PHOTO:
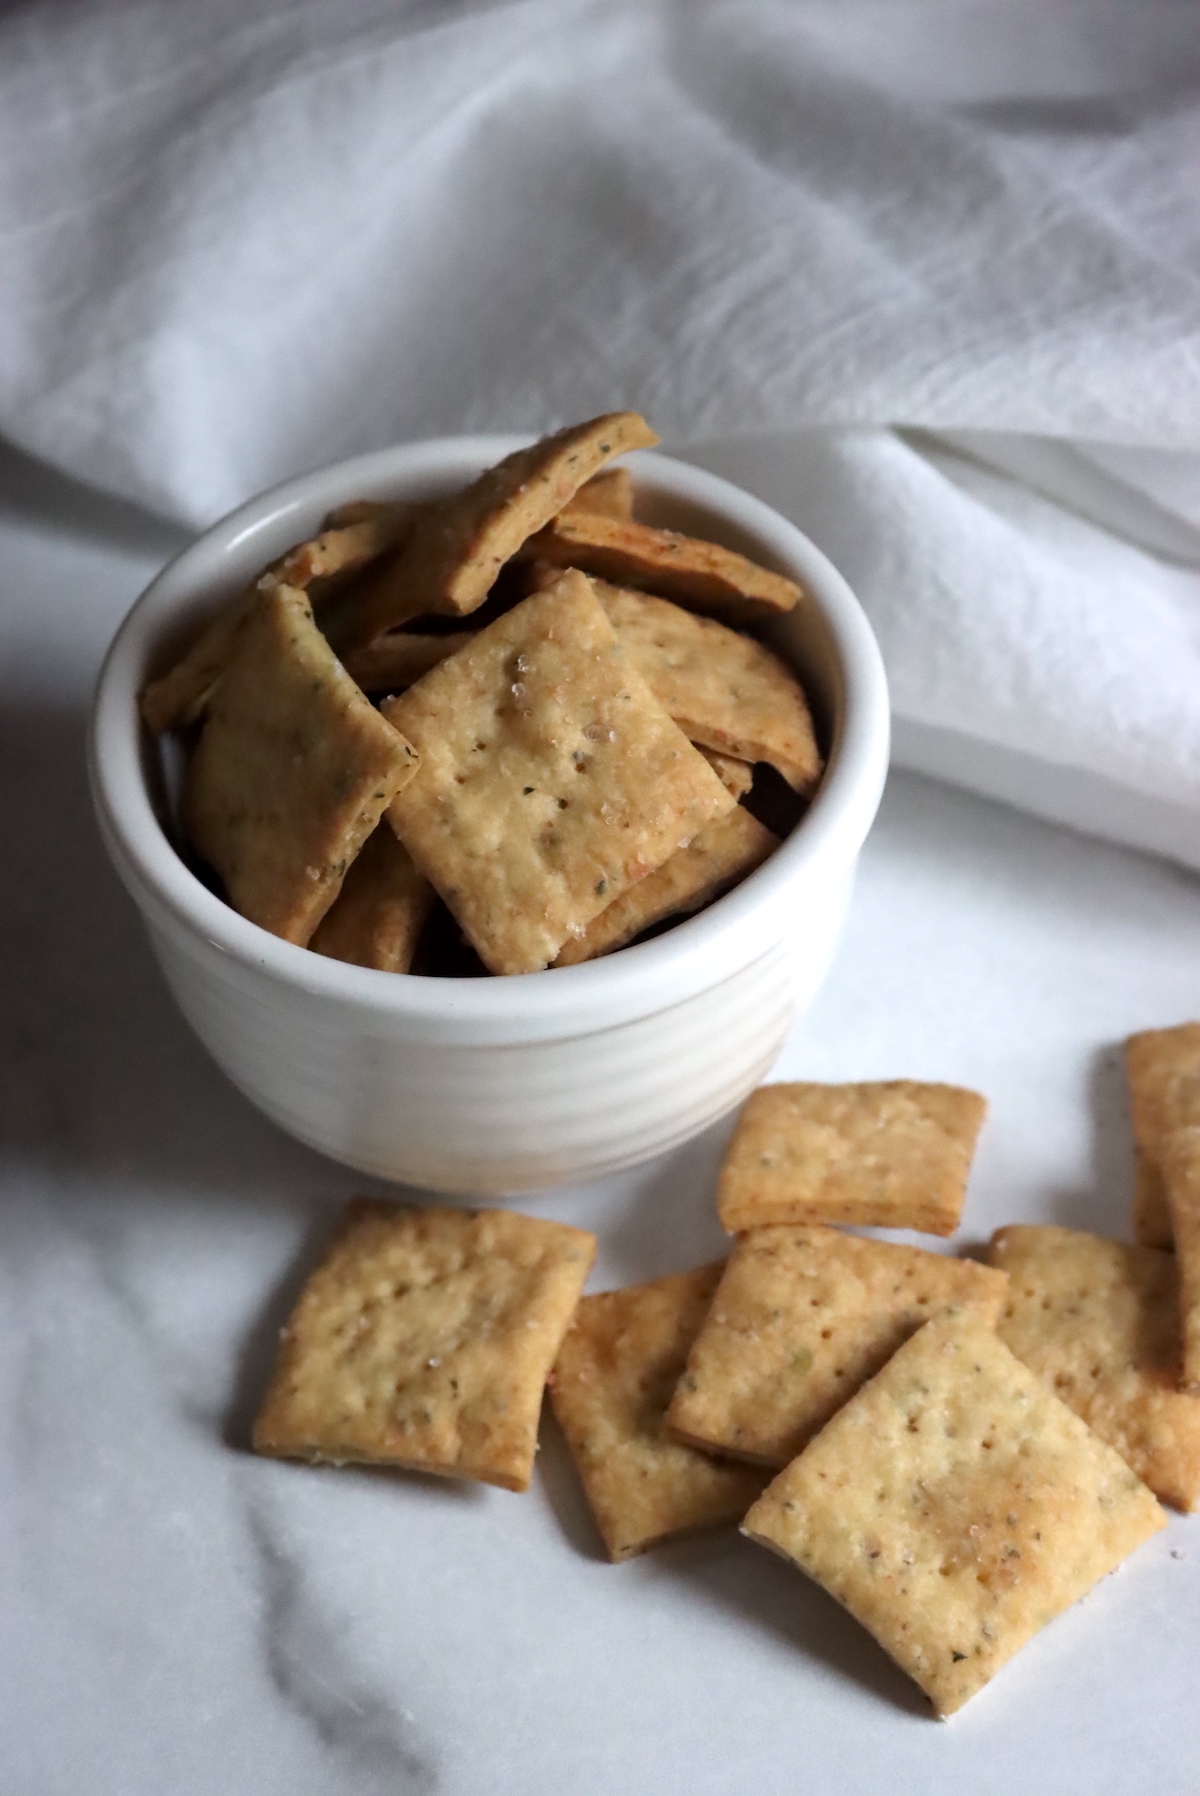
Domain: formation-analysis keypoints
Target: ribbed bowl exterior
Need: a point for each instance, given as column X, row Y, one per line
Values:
column 465, row 1118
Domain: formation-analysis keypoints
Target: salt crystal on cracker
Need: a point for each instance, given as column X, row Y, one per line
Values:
column 292, row 772
column 801, row 1319
column 724, row 689
column 611, row 1383
column 894, row 1154
column 551, row 781
column 1098, row 1321
column 423, row 1341
column 954, row 1506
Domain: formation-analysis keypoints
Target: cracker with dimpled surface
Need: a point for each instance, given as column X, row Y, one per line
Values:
column 801, row 1319
column 1098, row 1321
column 893, row 1154
column 292, row 772
column 954, row 1506
column 723, row 853
column 552, row 780
column 725, row 690
column 1164, row 1093
column 423, row 1341
column 377, row 917
column 611, row 1383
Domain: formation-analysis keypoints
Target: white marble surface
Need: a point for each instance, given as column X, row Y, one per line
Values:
column 178, row 1616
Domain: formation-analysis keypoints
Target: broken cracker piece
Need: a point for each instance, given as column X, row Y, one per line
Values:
column 724, row 689
column 723, row 853
column 551, row 781
column 423, row 1341
column 451, row 560
column 1164, row 1093
column 611, row 1383
column 1179, row 1159
column 954, row 1506
column 180, row 697
column 801, row 1319
column 292, row 772
column 378, row 915
column 700, row 576
column 893, row 1154
column 1098, row 1321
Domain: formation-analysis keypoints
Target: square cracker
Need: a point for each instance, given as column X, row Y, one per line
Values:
column 292, row 772
column 724, row 690
column 1098, row 1321
column 378, row 915
column 1179, row 1158
column 450, row 562
column 181, row 696
column 722, row 853
column 954, row 1507
column 611, row 1383
column 1164, row 1093
column 701, row 576
column 551, row 778
column 895, row 1154
column 423, row 1340
column 801, row 1319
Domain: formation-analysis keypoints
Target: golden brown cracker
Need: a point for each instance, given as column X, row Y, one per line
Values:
column 459, row 546
column 1098, row 1321
column 292, row 772
column 1164, row 1093
column 551, row 780
column 724, row 689
column 722, row 853
column 700, row 576
column 954, row 1507
column 1179, row 1161
column 180, row 697
column 736, row 776
column 423, row 1340
column 609, row 493
column 400, row 658
column 378, row 915
column 801, row 1319
column 894, row 1154
column 611, row 1383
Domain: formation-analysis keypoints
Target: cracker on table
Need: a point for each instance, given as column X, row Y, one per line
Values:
column 400, row 658
column 894, row 1154
column 736, row 776
column 452, row 558
column 1179, row 1160
column 180, row 697
column 551, row 778
column 377, row 917
column 724, row 690
column 1164, row 1093
column 293, row 771
column 611, row 1383
column 723, row 853
column 954, row 1506
column 609, row 493
column 701, row 576
column 424, row 1339
column 1098, row 1321
column 801, row 1319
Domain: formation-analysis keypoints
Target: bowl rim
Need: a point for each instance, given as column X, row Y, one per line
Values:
column 698, row 953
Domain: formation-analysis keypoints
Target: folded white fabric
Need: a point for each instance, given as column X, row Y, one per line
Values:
column 243, row 237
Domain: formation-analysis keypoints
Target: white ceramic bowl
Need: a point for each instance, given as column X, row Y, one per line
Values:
column 501, row 1085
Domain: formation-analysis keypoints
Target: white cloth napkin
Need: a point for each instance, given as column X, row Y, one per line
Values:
column 922, row 272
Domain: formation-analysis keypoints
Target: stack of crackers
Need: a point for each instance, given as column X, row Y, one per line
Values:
column 955, row 1451
column 560, row 778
